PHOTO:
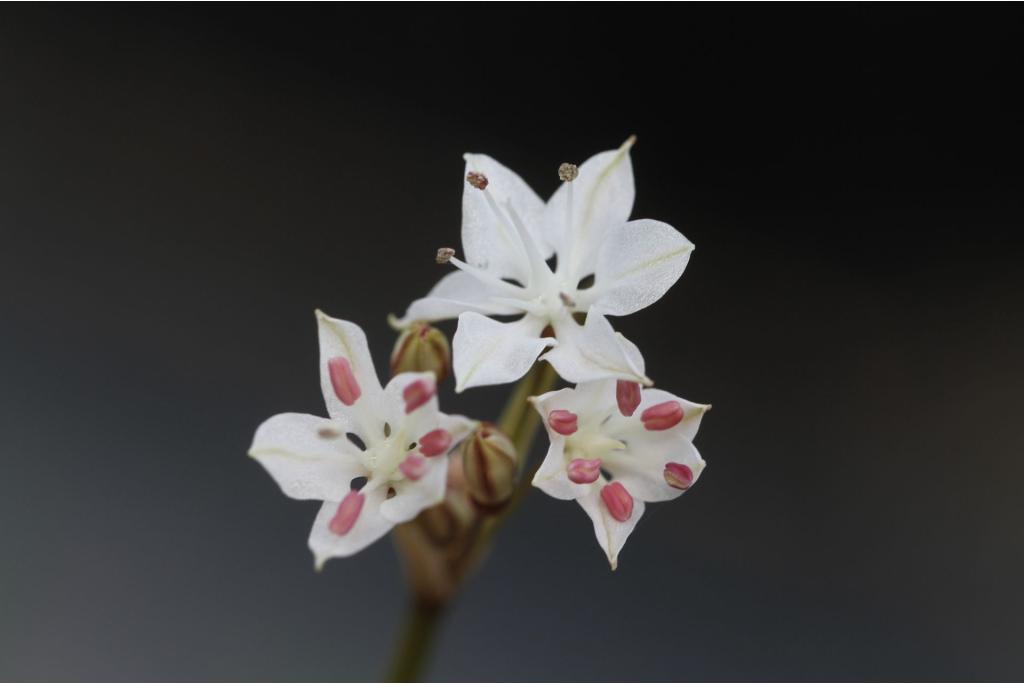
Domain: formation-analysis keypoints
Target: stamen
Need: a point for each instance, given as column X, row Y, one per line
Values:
column 418, row 393
column 662, row 416
column 480, row 182
column 618, row 500
column 568, row 172
column 569, row 257
column 477, row 180
column 678, row 476
column 513, row 291
column 584, row 470
column 539, row 270
column 435, row 442
column 348, row 512
column 566, row 300
column 627, row 394
column 328, row 433
column 413, row 467
column 343, row 380
column 444, row 255
column 562, row 421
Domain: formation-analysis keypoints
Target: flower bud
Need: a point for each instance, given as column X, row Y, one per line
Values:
column 443, row 522
column 489, row 465
column 421, row 347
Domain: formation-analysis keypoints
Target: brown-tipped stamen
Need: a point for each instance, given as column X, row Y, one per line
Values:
column 444, row 255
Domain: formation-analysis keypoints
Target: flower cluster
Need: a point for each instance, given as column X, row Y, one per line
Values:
column 554, row 271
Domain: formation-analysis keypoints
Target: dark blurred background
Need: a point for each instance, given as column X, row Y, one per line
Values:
column 180, row 186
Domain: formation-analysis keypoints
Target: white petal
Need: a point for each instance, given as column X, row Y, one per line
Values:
column 369, row 527
column 457, row 426
column 611, row 534
column 412, row 497
column 340, row 338
column 457, row 292
column 552, row 476
column 488, row 238
column 487, row 352
column 306, row 464
column 424, row 418
column 636, row 264
column 692, row 412
column 641, row 466
column 591, row 402
column 602, row 198
column 594, row 351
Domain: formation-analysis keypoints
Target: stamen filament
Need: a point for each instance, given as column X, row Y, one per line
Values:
column 540, row 272
column 487, row 277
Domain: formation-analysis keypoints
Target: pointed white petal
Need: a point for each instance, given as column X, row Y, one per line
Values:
column 487, row 352
column 552, row 476
column 488, row 237
column 412, row 497
column 458, row 426
column 611, row 534
column 594, row 351
column 369, row 527
column 457, row 292
column 424, row 418
column 589, row 401
column 641, row 466
column 309, row 457
column 636, row 264
column 602, row 198
column 340, row 338
column 692, row 412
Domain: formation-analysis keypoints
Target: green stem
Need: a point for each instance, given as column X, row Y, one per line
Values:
column 520, row 422
column 417, row 637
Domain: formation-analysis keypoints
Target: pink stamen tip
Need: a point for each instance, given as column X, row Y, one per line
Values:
column 618, row 500
column 413, row 467
column 417, row 394
column 562, row 421
column 346, row 387
column 662, row 416
column 435, row 442
column 678, row 476
column 348, row 512
column 584, row 470
column 627, row 394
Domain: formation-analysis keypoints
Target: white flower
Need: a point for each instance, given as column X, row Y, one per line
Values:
column 614, row 447
column 509, row 233
column 394, row 437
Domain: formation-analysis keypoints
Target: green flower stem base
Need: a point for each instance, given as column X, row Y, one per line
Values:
column 417, row 638
column 520, row 422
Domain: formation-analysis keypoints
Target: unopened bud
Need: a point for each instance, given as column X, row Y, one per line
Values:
column 489, row 465
column 421, row 347
column 442, row 522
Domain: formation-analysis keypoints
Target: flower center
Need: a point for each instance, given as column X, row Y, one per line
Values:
column 589, row 443
column 383, row 458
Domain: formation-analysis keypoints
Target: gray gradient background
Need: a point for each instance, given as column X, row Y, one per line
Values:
column 181, row 186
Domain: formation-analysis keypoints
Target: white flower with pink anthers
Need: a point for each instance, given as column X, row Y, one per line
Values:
column 615, row 446
column 556, row 270
column 393, row 437
column 508, row 236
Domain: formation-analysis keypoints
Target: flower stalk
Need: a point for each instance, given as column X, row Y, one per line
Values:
column 435, row 573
